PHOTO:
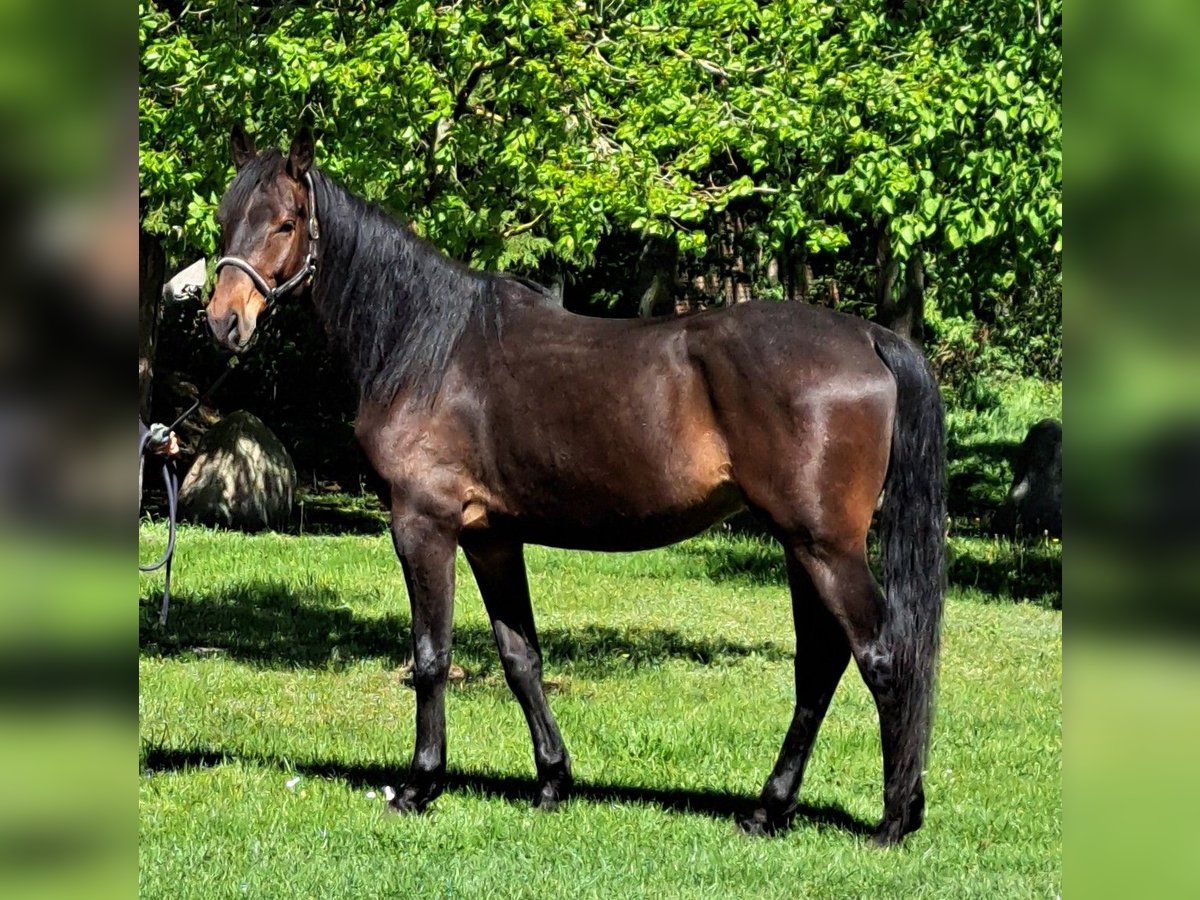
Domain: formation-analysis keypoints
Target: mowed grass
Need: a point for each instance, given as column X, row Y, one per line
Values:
column 670, row 675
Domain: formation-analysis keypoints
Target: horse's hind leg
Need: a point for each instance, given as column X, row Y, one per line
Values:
column 500, row 572
column 822, row 652
column 845, row 583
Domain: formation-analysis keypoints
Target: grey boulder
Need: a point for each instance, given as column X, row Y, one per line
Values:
column 242, row 478
column 1033, row 506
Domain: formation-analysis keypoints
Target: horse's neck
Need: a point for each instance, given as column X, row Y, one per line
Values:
column 395, row 305
column 353, row 245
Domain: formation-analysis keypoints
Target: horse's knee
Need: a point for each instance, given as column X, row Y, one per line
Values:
column 430, row 667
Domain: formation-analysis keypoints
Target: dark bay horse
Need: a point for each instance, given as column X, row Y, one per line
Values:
column 497, row 419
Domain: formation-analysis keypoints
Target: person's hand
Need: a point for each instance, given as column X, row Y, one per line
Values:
column 171, row 447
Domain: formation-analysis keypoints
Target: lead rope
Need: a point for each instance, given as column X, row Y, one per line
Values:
column 158, row 435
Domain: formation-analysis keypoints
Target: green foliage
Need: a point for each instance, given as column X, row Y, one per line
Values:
column 524, row 131
column 1012, row 339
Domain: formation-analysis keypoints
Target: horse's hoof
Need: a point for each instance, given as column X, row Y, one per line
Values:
column 547, row 802
column 408, row 802
column 892, row 831
column 552, row 794
column 886, row 836
column 890, row 834
column 759, row 824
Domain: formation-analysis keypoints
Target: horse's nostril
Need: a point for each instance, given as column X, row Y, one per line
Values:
column 232, row 334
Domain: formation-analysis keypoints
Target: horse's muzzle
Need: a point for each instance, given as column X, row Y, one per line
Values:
column 227, row 330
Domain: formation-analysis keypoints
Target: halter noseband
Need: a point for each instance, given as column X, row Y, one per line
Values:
column 271, row 294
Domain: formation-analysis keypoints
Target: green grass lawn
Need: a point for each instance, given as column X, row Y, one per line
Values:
column 670, row 674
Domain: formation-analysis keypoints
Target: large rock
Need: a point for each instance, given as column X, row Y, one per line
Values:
column 1034, row 503
column 242, row 478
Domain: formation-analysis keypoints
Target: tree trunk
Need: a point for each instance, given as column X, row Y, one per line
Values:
column 152, row 270
column 886, row 269
column 905, row 313
column 912, row 301
column 739, row 278
column 795, row 272
column 656, row 277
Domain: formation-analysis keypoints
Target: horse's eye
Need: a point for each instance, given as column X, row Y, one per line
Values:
column 287, row 227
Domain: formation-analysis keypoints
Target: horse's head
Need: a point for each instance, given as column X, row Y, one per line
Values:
column 268, row 235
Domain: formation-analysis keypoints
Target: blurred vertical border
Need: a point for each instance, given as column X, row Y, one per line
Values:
column 68, row 588
column 1132, row 273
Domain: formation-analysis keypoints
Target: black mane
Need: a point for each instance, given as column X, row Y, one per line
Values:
column 395, row 305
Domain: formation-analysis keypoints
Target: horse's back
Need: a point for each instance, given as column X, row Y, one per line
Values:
column 811, row 344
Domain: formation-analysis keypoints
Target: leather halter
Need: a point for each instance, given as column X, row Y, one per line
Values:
column 271, row 294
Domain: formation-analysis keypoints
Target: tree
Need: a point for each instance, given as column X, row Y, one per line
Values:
column 899, row 159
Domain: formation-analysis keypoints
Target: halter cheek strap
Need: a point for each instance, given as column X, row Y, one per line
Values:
column 271, row 294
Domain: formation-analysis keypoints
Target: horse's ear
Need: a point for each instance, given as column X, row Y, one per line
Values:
column 300, row 157
column 241, row 146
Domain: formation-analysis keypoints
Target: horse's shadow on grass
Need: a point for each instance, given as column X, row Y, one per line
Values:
column 271, row 624
column 719, row 805
column 757, row 561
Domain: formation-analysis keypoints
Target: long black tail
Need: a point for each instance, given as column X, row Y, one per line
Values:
column 913, row 540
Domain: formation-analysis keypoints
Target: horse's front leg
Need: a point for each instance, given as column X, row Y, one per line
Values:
column 426, row 550
column 500, row 572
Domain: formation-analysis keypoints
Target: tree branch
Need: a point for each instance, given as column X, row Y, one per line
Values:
column 442, row 127
column 527, row 226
